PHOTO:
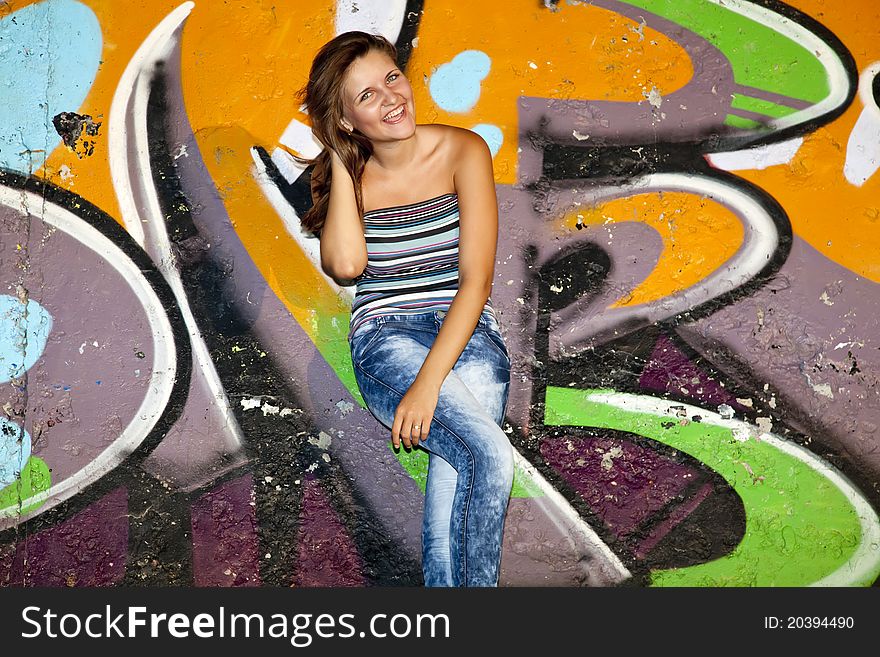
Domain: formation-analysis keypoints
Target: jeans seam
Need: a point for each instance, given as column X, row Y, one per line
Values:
column 494, row 345
column 470, row 456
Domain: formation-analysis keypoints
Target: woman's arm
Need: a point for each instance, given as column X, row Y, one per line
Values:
column 478, row 237
column 343, row 247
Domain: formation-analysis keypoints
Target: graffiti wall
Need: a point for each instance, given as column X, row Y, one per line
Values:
column 687, row 278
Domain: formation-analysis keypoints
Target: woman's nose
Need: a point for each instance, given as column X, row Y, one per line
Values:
column 389, row 98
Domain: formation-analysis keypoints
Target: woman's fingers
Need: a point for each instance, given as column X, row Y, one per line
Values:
column 409, row 434
column 401, row 431
column 412, row 418
column 420, row 429
column 409, row 430
column 415, row 433
column 395, row 431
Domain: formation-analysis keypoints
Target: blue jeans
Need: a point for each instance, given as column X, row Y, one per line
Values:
column 470, row 465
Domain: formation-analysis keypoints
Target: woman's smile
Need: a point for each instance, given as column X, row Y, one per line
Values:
column 396, row 116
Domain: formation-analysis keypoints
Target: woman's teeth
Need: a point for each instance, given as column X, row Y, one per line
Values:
column 393, row 115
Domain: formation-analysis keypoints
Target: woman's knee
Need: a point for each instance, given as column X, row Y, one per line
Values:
column 494, row 455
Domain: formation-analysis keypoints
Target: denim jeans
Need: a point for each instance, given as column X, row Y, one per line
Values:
column 470, row 465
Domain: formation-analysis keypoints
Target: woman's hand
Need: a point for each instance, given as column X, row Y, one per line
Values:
column 337, row 168
column 414, row 414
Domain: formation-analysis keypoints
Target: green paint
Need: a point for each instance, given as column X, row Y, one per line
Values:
column 746, row 124
column 765, row 107
column 333, row 346
column 523, row 485
column 35, row 478
column 760, row 56
column 415, row 462
column 799, row 526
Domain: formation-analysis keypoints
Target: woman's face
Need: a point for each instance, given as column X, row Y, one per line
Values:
column 377, row 99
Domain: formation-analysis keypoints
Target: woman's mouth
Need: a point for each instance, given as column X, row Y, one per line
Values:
column 395, row 116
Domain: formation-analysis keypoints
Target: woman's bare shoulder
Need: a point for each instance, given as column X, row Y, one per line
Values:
column 450, row 142
column 450, row 134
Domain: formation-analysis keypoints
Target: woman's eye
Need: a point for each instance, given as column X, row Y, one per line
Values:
column 391, row 78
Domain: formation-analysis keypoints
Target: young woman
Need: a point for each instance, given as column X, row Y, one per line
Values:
column 409, row 213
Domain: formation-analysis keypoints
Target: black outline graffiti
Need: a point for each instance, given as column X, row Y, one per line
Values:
column 128, row 472
column 613, row 163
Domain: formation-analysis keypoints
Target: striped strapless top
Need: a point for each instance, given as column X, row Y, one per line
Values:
column 412, row 260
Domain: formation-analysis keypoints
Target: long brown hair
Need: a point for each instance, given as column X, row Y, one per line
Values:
column 322, row 97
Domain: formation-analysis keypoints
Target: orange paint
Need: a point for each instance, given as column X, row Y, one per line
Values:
column 241, row 64
column 699, row 236
column 838, row 219
column 124, row 26
column 578, row 52
column 284, row 266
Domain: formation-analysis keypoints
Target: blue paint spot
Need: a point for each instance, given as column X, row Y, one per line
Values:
column 491, row 134
column 24, row 331
column 49, row 55
column 455, row 86
column 13, row 454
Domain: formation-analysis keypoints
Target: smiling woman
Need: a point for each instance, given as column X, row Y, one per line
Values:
column 391, row 90
column 429, row 357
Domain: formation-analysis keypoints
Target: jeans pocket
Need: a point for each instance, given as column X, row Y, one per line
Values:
column 361, row 344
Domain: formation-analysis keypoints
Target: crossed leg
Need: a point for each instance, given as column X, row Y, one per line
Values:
column 470, row 462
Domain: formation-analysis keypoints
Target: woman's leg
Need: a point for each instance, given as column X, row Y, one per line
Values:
column 439, row 495
column 480, row 452
column 462, row 433
column 492, row 390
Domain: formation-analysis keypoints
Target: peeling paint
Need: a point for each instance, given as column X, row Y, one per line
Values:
column 823, row 389
column 323, row 441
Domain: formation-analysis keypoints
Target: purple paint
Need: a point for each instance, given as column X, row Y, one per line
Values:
column 678, row 514
column 224, row 536
column 202, row 445
column 91, row 304
column 807, row 343
column 529, row 539
column 670, row 371
column 327, row 553
column 88, row 549
column 7, row 555
column 638, row 483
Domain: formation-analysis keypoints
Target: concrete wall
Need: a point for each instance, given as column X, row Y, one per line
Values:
column 686, row 277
